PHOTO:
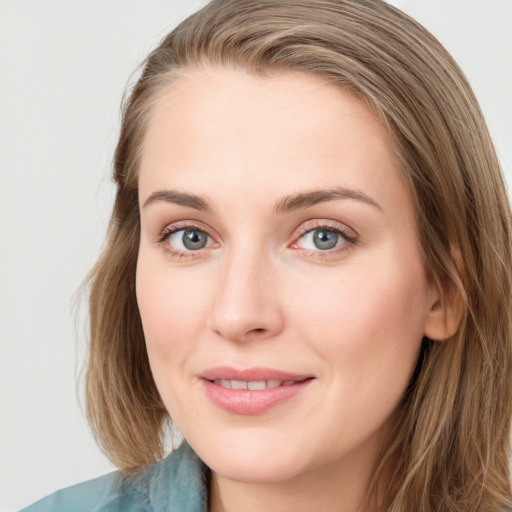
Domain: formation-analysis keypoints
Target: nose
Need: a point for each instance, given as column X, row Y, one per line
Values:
column 247, row 300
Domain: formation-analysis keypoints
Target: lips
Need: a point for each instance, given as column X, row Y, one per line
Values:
column 253, row 384
column 252, row 391
column 251, row 374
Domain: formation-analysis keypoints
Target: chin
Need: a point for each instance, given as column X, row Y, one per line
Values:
column 256, row 470
column 252, row 458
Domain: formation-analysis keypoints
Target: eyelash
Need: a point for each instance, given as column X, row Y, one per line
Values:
column 322, row 225
column 174, row 228
column 319, row 225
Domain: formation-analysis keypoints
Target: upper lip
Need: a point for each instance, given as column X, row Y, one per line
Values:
column 251, row 374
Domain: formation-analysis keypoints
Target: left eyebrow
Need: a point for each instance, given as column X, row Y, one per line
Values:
column 308, row 199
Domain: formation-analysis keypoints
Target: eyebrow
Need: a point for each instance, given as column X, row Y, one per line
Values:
column 308, row 199
column 286, row 204
column 181, row 198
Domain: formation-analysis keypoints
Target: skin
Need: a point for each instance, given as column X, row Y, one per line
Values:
column 262, row 294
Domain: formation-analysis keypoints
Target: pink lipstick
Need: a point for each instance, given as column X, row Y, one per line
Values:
column 251, row 391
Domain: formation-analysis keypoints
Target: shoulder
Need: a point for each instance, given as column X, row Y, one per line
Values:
column 179, row 482
column 103, row 494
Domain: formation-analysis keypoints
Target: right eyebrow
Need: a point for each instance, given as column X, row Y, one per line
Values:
column 181, row 198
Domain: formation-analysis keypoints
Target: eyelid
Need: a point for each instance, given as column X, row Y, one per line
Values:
column 328, row 225
column 350, row 236
column 173, row 227
column 183, row 225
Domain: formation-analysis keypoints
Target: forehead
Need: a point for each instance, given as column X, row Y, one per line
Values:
column 224, row 130
column 305, row 104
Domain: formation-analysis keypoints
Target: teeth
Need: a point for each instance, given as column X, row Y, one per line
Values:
column 239, row 384
column 255, row 385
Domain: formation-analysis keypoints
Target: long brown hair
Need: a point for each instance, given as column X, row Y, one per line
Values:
column 450, row 445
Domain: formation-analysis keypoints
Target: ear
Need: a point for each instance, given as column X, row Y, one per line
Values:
column 445, row 310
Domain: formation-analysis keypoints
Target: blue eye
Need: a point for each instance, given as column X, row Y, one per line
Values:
column 189, row 239
column 322, row 239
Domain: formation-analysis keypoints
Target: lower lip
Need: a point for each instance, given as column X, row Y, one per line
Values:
column 251, row 402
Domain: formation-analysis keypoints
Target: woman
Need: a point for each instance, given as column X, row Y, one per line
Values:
column 307, row 269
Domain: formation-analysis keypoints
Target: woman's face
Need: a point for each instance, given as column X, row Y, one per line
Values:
column 278, row 253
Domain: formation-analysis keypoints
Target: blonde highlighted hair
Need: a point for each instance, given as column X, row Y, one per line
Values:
column 450, row 445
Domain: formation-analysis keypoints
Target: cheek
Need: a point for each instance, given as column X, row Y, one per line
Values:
column 367, row 322
column 170, row 307
column 170, row 311
column 367, row 300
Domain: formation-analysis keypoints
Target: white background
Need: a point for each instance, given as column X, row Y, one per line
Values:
column 63, row 69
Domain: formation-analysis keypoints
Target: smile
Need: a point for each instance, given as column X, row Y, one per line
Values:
column 253, row 391
column 254, row 384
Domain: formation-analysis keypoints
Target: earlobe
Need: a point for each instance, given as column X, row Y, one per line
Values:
column 445, row 313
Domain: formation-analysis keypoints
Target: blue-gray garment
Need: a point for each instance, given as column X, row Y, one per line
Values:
column 179, row 483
